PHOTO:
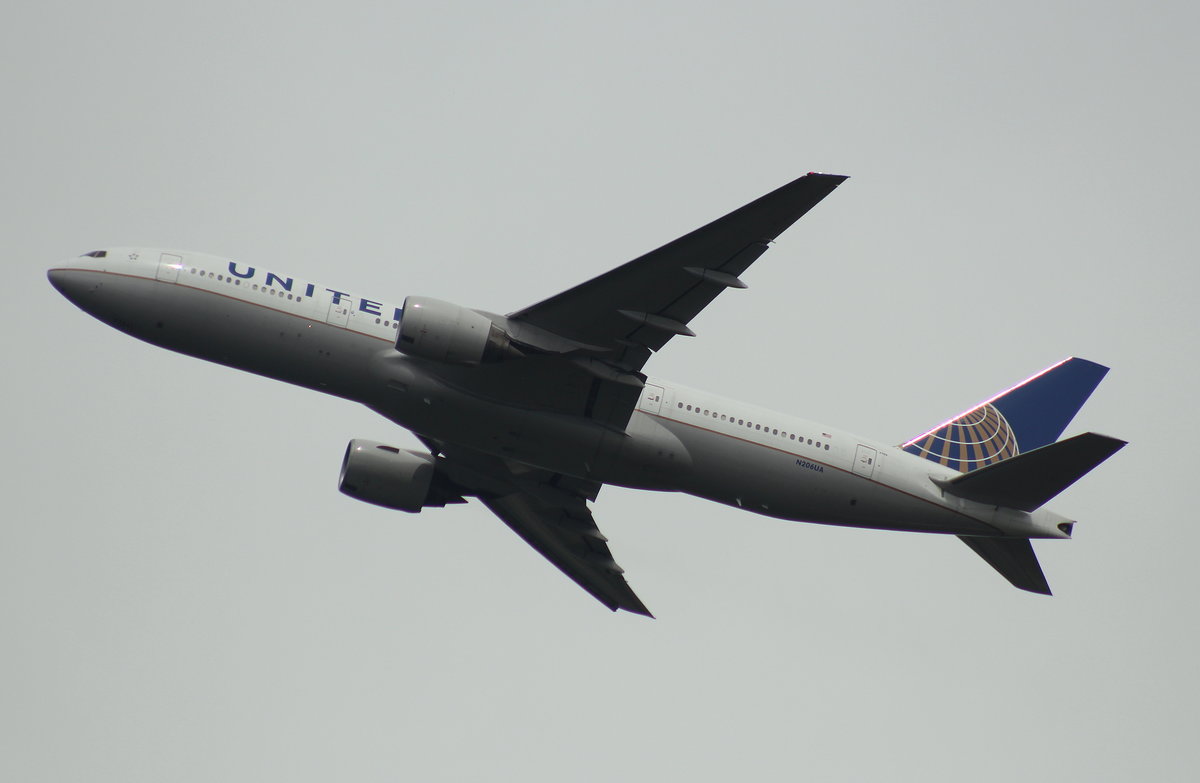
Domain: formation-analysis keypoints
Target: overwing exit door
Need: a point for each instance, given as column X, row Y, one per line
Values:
column 651, row 398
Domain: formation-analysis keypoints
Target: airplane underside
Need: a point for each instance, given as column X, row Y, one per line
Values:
column 533, row 412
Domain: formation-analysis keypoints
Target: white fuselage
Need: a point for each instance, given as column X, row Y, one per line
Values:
column 678, row 439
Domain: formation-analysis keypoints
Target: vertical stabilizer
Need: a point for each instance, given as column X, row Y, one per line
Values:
column 1022, row 418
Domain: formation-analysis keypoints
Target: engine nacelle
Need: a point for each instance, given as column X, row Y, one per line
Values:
column 446, row 332
column 387, row 476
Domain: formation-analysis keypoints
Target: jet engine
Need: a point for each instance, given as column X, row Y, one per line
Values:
column 446, row 332
column 388, row 476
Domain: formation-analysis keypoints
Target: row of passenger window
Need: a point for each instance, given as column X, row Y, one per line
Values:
column 277, row 292
column 237, row 281
column 758, row 427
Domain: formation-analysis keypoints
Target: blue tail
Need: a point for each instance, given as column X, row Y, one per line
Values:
column 1025, row 417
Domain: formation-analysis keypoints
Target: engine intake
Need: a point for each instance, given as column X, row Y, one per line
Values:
column 446, row 332
column 387, row 476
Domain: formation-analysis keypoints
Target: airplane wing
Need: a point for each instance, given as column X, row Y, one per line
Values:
column 626, row 313
column 550, row 512
column 611, row 324
column 567, row 536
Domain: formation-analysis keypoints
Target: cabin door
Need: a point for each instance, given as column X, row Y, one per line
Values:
column 339, row 312
column 168, row 267
column 864, row 461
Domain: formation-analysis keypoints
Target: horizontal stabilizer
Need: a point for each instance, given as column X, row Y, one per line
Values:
column 1013, row 558
column 1027, row 481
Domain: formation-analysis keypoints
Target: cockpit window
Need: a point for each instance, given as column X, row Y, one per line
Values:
column 95, row 254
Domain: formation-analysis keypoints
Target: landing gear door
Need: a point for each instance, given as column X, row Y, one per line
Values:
column 652, row 396
column 864, row 461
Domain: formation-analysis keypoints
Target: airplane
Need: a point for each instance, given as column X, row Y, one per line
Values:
column 533, row 412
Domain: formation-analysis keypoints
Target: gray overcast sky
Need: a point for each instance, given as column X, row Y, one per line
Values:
column 185, row 596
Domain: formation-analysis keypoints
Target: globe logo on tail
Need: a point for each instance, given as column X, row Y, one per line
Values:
column 978, row 437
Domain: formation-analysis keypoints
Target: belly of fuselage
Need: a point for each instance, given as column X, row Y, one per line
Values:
column 651, row 453
column 235, row 333
column 791, row 486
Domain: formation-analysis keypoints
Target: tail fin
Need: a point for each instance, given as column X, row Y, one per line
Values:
column 1026, row 482
column 1027, row 416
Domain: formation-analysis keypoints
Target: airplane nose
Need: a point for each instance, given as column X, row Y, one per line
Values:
column 71, row 283
column 58, row 278
column 61, row 280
